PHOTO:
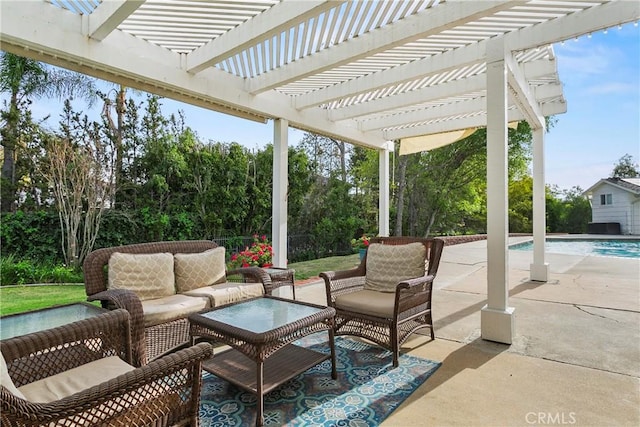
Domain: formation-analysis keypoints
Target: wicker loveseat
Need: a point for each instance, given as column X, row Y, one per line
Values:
column 191, row 276
column 81, row 374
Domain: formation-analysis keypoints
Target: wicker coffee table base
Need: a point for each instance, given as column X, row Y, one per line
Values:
column 260, row 362
column 283, row 365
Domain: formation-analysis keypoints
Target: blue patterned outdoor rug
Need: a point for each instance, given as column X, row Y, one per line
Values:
column 367, row 390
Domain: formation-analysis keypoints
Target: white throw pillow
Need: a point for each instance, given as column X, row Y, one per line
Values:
column 388, row 265
column 201, row 269
column 148, row 275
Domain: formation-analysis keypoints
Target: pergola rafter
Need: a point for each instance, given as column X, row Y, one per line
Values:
column 325, row 66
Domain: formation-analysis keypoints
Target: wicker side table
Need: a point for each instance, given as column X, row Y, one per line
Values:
column 282, row 277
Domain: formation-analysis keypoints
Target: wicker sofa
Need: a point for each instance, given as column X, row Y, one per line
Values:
column 81, row 374
column 161, row 283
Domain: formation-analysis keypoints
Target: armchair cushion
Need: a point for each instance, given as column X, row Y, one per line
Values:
column 372, row 303
column 225, row 293
column 199, row 269
column 6, row 380
column 148, row 275
column 388, row 265
column 172, row 307
column 75, row 380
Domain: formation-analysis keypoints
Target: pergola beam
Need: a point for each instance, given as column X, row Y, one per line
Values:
column 430, row 21
column 458, row 87
column 430, row 65
column 573, row 25
column 522, row 94
column 272, row 22
column 602, row 16
column 479, row 120
column 108, row 15
column 140, row 65
column 423, row 115
column 454, row 88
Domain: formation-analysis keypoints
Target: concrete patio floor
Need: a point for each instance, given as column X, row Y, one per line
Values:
column 575, row 359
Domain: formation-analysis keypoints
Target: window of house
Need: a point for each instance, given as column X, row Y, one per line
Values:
column 606, row 199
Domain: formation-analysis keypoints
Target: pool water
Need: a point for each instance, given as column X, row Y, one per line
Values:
column 594, row 247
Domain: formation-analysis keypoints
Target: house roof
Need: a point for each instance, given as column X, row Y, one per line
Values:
column 628, row 184
column 366, row 72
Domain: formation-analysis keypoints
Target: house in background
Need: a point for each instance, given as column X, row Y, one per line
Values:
column 615, row 206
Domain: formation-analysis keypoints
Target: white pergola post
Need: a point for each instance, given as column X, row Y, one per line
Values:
column 383, row 204
column 539, row 270
column 280, row 184
column 497, row 319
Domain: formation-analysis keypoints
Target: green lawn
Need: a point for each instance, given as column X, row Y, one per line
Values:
column 25, row 298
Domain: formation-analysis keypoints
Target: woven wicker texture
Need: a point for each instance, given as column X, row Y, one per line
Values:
column 164, row 392
column 412, row 307
column 152, row 342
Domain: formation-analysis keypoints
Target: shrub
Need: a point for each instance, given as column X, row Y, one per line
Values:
column 22, row 272
column 259, row 254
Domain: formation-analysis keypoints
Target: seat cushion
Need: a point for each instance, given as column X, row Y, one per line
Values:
column 388, row 265
column 372, row 303
column 75, row 380
column 6, row 380
column 225, row 293
column 166, row 309
column 148, row 275
column 200, row 269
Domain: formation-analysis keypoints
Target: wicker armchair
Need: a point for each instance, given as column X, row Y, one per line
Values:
column 164, row 392
column 152, row 341
column 386, row 318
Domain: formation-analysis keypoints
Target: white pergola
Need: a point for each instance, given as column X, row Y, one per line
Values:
column 367, row 72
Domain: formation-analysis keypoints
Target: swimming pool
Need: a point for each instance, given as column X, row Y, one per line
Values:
column 625, row 248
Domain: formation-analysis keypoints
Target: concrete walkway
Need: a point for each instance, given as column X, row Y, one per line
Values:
column 575, row 359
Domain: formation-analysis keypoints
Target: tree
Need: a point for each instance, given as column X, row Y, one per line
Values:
column 327, row 155
column 23, row 79
column 521, row 205
column 626, row 168
column 577, row 214
column 80, row 171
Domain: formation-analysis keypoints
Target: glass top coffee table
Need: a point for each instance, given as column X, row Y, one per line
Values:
column 13, row 325
column 261, row 332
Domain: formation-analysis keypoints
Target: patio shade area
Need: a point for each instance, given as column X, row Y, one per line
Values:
column 365, row 72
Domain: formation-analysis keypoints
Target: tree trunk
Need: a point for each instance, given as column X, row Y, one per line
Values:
column 413, row 214
column 9, row 142
column 432, row 219
column 342, row 149
column 117, row 131
column 120, row 110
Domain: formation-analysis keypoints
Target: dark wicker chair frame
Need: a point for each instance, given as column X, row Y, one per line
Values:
column 412, row 310
column 154, row 341
column 164, row 392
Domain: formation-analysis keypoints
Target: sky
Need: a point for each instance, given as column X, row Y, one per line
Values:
column 601, row 80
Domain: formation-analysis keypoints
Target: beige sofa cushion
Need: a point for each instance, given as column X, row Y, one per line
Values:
column 172, row 307
column 373, row 303
column 148, row 275
column 225, row 293
column 6, row 380
column 75, row 380
column 388, row 265
column 199, row 269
